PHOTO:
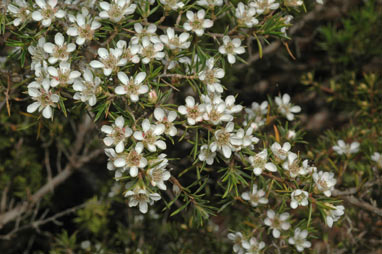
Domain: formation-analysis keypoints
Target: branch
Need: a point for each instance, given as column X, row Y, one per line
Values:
column 74, row 162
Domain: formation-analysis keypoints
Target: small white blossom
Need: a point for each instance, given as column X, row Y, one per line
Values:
column 174, row 41
column 224, row 141
column 172, row 4
column 210, row 3
column 247, row 140
column 292, row 165
column 291, row 134
column 116, row 134
column 259, row 162
column 167, row 119
column 285, row 107
column 299, row 240
column 83, row 28
column 117, row 9
column 192, row 110
column 377, row 157
column 150, row 134
column 347, row 149
column 216, row 113
column 158, row 173
column 20, row 10
column 253, row 246
column 264, row 6
column 237, row 239
column 245, row 15
column 334, row 215
column 62, row 75
column 256, row 113
column 230, row 106
column 60, row 50
column 132, row 87
column 306, row 168
column 140, row 196
column 152, row 48
column 141, row 32
column 277, row 222
column 255, row 197
column 293, row 3
column 281, row 153
column 109, row 60
column 320, row 1
column 324, row 182
column 44, row 98
column 132, row 160
column 197, row 22
column 206, row 155
column 86, row 88
column 231, row 48
column 130, row 53
column 38, row 53
column 299, row 198
column 47, row 12
column 287, row 21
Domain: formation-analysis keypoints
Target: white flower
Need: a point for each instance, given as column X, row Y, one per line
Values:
column 60, row 50
column 149, row 32
column 264, row 6
column 20, row 10
column 151, row 49
column 172, row 4
column 299, row 240
column 287, row 20
column 117, row 9
column 277, row 222
column 62, row 75
column 140, row 196
column 231, row 48
column 216, row 113
column 259, row 162
column 377, row 157
column 280, row 152
column 44, row 98
column 130, row 53
column 306, row 168
column 320, row 1
column 247, row 140
column 210, row 3
column 112, row 156
column 347, row 149
column 109, row 60
column 253, row 246
column 206, row 155
column 158, row 172
column 174, row 41
column 256, row 113
column 255, row 197
column 237, row 239
column 293, row 3
column 245, row 15
column 193, row 111
column 132, row 160
column 48, row 12
column 299, row 198
column 334, row 215
column 197, row 23
column 230, row 106
column 150, row 135
column 132, row 87
column 292, row 165
column 86, row 89
column 167, row 120
column 117, row 134
column 285, row 107
column 38, row 53
column 83, row 28
column 291, row 134
column 224, row 140
column 324, row 182
column 211, row 76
